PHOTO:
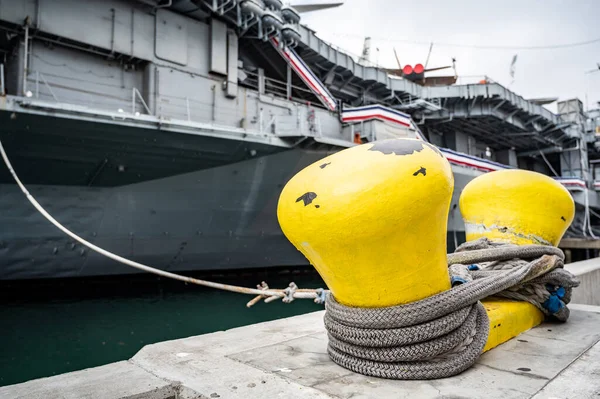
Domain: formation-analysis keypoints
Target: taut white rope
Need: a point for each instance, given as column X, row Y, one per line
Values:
column 288, row 294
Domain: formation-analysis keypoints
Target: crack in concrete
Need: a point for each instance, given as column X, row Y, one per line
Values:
column 318, row 336
column 316, row 384
column 534, row 354
column 176, row 385
column 553, row 339
column 300, row 351
column 525, row 374
column 567, row 366
column 260, row 348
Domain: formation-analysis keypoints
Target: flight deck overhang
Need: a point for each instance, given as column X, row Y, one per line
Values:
column 495, row 92
column 496, row 116
column 350, row 80
column 489, row 112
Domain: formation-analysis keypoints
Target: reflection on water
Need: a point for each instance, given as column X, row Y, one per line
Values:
column 55, row 327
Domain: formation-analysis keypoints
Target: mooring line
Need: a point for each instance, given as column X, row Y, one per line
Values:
column 262, row 291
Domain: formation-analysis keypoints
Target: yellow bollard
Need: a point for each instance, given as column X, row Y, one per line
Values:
column 518, row 207
column 372, row 220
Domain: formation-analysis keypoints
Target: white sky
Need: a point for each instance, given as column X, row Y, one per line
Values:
column 411, row 25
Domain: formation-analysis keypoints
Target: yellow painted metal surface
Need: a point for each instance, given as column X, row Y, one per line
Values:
column 372, row 220
column 508, row 319
column 519, row 207
column 516, row 206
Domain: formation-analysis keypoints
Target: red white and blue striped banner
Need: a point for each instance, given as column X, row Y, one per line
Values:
column 470, row 161
column 298, row 65
column 369, row 112
column 419, row 135
column 485, row 165
column 572, row 182
column 365, row 113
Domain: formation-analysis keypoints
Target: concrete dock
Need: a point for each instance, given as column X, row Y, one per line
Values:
column 588, row 272
column 288, row 358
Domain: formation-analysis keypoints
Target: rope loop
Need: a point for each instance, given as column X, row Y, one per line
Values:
column 321, row 296
column 289, row 293
column 444, row 334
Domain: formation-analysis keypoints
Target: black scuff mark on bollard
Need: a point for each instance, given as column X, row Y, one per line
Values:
column 317, row 206
column 422, row 171
column 324, row 165
column 563, row 218
column 307, row 198
column 524, row 369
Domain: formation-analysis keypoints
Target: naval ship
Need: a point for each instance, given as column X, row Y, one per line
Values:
column 164, row 131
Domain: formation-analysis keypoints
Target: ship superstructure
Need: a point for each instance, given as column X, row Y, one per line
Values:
column 164, row 130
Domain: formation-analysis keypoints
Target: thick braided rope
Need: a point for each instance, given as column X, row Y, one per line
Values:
column 550, row 292
column 436, row 337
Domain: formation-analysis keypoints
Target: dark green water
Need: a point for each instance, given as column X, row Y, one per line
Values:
column 53, row 328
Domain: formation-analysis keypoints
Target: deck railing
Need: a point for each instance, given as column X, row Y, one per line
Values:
column 264, row 84
column 38, row 76
column 2, row 89
column 66, row 91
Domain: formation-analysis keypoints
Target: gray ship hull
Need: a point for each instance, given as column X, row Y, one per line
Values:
column 183, row 203
column 218, row 218
column 213, row 219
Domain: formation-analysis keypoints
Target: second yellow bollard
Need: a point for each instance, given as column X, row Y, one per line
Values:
column 515, row 207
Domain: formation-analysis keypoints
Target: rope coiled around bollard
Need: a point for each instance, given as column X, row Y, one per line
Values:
column 444, row 334
column 549, row 292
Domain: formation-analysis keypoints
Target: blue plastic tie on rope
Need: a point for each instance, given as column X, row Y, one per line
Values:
column 553, row 304
column 473, row 267
column 321, row 296
column 457, row 280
